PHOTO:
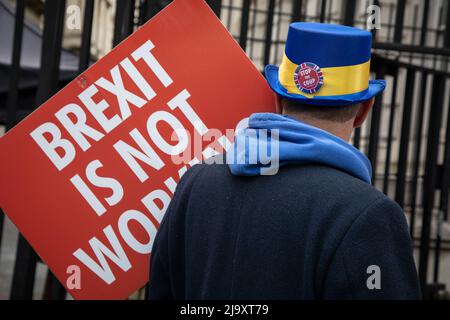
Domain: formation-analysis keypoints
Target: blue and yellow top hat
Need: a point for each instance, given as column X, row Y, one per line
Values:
column 325, row 64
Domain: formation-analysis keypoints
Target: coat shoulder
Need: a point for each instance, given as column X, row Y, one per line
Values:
column 316, row 181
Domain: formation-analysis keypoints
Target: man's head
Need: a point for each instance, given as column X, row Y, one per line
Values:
column 338, row 120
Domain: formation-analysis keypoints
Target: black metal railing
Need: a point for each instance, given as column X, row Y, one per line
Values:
column 407, row 138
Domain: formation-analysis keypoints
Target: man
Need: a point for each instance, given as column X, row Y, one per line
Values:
column 316, row 229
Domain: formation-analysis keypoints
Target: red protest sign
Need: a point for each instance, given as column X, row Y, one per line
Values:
column 87, row 177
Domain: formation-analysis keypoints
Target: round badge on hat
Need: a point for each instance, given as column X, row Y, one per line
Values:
column 308, row 77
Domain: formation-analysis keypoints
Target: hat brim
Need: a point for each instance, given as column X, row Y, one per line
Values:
column 375, row 87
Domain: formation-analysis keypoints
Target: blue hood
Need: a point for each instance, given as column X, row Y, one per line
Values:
column 297, row 143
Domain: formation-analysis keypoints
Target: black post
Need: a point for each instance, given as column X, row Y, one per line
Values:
column 374, row 30
column 24, row 271
column 349, row 8
column 297, row 6
column 417, row 150
column 423, row 32
column 444, row 184
column 2, row 221
column 429, row 183
column 119, row 21
column 14, row 77
column 414, row 28
column 254, row 13
column 404, row 137
column 322, row 10
column 387, row 162
column 216, row 6
column 269, row 27
column 148, row 9
column 375, row 127
column 357, row 138
column 128, row 26
column 53, row 289
column 51, row 49
column 279, row 22
column 447, row 27
column 399, row 18
column 85, row 50
column 244, row 24
column 445, row 178
column 54, row 11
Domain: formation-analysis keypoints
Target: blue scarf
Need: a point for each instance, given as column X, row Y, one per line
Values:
column 298, row 143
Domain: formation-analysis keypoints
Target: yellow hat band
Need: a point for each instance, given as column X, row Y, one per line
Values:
column 336, row 80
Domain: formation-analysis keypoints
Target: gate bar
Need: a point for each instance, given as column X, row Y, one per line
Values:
column 374, row 30
column 216, row 6
column 399, row 19
column 429, row 183
column 357, row 138
column 147, row 9
column 128, row 26
column 269, row 28
column 392, row 110
column 254, row 14
column 443, row 205
column 375, row 126
column 278, row 34
column 417, row 150
column 118, row 21
column 24, row 271
column 85, row 50
column 14, row 76
column 54, row 11
column 322, row 10
column 447, row 27
column 423, row 32
column 297, row 7
column 404, row 137
column 244, row 24
column 445, row 182
column 349, row 8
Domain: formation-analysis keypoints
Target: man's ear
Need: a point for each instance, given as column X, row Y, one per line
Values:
column 278, row 104
column 363, row 111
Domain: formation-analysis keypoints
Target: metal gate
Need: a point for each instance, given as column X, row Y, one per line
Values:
column 407, row 137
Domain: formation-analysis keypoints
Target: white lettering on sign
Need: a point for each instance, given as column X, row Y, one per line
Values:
column 175, row 124
column 146, row 154
column 101, row 182
column 129, row 238
column 79, row 130
column 144, row 53
column 123, row 96
column 150, row 203
column 99, row 109
column 51, row 146
column 92, row 99
column 118, row 256
column 101, row 251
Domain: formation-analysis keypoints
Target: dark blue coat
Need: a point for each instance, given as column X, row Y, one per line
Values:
column 308, row 232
